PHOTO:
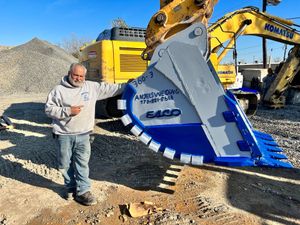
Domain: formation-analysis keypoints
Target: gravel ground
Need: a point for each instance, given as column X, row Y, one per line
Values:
column 284, row 126
column 123, row 170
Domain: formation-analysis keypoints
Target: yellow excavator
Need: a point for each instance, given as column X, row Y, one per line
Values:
column 250, row 21
column 275, row 96
column 178, row 105
column 115, row 56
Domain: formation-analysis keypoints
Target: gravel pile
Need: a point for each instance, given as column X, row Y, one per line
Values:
column 2, row 48
column 34, row 67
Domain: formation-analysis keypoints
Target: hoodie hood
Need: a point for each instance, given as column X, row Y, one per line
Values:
column 65, row 82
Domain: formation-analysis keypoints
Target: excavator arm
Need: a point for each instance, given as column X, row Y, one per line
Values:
column 179, row 107
column 274, row 97
column 250, row 21
column 173, row 17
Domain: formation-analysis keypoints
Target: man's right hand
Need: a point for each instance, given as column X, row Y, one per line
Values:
column 75, row 110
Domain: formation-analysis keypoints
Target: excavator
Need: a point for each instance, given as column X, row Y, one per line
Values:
column 178, row 105
column 116, row 54
column 275, row 95
column 250, row 21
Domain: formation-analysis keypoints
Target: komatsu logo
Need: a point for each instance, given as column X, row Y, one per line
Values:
column 280, row 31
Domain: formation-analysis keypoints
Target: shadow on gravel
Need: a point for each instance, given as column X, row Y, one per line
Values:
column 127, row 161
column 115, row 159
column 130, row 163
column 29, row 159
column 113, row 126
column 29, row 111
column 270, row 193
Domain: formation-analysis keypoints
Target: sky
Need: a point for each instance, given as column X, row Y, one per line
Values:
column 57, row 20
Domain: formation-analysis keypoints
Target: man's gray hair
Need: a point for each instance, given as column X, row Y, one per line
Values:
column 73, row 65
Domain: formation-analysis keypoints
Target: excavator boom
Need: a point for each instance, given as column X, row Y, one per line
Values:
column 274, row 95
column 250, row 21
column 173, row 17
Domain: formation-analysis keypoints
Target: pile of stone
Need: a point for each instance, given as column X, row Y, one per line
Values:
column 34, row 67
column 2, row 48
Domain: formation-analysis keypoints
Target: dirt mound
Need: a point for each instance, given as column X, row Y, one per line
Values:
column 34, row 67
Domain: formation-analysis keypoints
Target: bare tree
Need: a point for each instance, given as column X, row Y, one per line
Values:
column 73, row 43
column 119, row 22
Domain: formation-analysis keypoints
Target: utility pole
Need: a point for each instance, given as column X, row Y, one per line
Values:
column 284, row 54
column 264, row 40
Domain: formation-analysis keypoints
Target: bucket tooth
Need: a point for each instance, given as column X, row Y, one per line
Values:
column 276, row 155
column 270, row 143
column 136, row 130
column 197, row 160
column 262, row 135
column 121, row 104
column 145, row 138
column 126, row 120
column 169, row 153
column 274, row 149
column 185, row 158
column 154, row 145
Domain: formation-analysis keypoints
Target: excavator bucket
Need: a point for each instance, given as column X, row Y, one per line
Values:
column 179, row 107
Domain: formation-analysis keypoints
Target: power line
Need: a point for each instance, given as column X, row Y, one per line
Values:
column 253, row 46
column 293, row 18
column 252, row 52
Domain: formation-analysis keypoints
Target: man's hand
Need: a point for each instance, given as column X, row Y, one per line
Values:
column 75, row 110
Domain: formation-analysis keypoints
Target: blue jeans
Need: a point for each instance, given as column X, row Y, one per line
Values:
column 73, row 157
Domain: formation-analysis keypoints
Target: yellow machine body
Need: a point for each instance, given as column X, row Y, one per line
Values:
column 113, row 61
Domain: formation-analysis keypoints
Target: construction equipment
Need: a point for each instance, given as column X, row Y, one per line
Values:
column 274, row 96
column 115, row 57
column 179, row 107
column 250, row 21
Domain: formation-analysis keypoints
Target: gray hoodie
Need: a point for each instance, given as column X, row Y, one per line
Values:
column 64, row 95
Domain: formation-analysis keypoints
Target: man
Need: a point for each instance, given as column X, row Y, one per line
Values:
column 71, row 105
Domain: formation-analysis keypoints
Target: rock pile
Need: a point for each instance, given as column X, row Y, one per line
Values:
column 34, row 67
column 2, row 48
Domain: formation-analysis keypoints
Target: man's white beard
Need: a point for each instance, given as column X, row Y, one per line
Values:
column 74, row 83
